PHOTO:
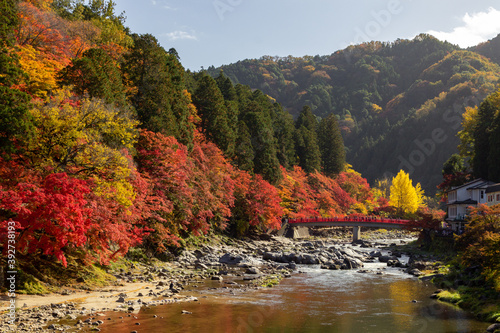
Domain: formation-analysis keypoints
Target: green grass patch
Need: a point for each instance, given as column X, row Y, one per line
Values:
column 452, row 297
column 32, row 286
column 270, row 281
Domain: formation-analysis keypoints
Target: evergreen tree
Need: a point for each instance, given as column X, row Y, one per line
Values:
column 244, row 153
column 331, row 145
column 494, row 153
column 15, row 121
column 226, row 87
column 261, row 132
column 306, row 141
column 160, row 98
column 214, row 115
column 284, row 131
column 481, row 137
column 96, row 74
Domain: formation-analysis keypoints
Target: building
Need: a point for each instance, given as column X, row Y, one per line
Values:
column 461, row 197
column 493, row 195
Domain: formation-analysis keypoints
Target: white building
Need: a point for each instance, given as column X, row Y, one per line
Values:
column 461, row 197
column 493, row 194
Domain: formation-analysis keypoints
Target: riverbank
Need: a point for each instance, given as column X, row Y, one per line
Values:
column 464, row 287
column 258, row 262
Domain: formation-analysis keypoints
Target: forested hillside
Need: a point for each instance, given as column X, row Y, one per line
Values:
column 108, row 143
column 399, row 104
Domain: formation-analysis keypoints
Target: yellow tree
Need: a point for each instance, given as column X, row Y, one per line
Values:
column 404, row 196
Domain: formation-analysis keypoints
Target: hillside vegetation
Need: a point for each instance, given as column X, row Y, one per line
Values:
column 108, row 143
column 399, row 105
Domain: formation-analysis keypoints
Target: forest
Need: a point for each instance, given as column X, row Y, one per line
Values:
column 108, row 143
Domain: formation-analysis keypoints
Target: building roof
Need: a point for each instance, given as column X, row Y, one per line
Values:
column 482, row 186
column 493, row 188
column 476, row 183
column 463, row 202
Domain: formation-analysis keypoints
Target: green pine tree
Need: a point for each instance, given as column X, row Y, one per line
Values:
column 214, row 115
column 261, row 132
column 160, row 98
column 481, row 137
column 244, row 153
column 331, row 145
column 97, row 75
column 306, row 141
column 284, row 131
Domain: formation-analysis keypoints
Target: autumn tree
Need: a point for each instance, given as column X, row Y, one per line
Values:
column 257, row 205
column 15, row 121
column 479, row 245
column 404, row 196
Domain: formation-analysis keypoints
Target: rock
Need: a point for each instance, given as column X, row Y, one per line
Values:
column 121, row 299
column 201, row 266
column 253, row 270
column 231, row 259
column 217, row 278
column 376, row 254
column 353, row 263
column 493, row 327
column 387, row 258
column 415, row 272
column 186, row 312
column 420, row 265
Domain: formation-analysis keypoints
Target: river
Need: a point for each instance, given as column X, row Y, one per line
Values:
column 314, row 300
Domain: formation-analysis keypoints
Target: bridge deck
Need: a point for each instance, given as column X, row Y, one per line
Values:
column 374, row 222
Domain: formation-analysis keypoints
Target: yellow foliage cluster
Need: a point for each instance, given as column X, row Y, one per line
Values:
column 86, row 137
column 405, row 197
column 41, row 71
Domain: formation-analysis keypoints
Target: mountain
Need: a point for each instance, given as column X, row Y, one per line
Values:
column 399, row 104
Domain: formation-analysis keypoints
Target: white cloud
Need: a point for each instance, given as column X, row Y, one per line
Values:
column 176, row 35
column 163, row 4
column 477, row 28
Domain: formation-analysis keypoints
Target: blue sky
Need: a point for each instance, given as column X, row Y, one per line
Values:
column 217, row 32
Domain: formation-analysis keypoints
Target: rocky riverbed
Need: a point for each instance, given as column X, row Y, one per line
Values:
column 257, row 262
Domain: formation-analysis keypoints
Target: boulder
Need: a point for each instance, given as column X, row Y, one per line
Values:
column 387, row 258
column 253, row 270
column 493, row 327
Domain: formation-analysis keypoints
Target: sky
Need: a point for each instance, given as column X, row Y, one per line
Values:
column 217, row 32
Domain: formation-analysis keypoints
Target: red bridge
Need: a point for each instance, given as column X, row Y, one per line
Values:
column 343, row 221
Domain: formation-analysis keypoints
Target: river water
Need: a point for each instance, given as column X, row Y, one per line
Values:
column 314, row 300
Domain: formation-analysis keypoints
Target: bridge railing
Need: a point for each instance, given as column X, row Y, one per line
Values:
column 374, row 219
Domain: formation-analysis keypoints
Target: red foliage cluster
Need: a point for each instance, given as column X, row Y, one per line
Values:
column 197, row 190
column 305, row 195
column 57, row 213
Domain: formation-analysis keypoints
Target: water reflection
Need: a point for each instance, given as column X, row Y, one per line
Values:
column 315, row 301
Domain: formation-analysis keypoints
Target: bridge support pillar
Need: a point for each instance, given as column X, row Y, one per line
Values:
column 356, row 233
